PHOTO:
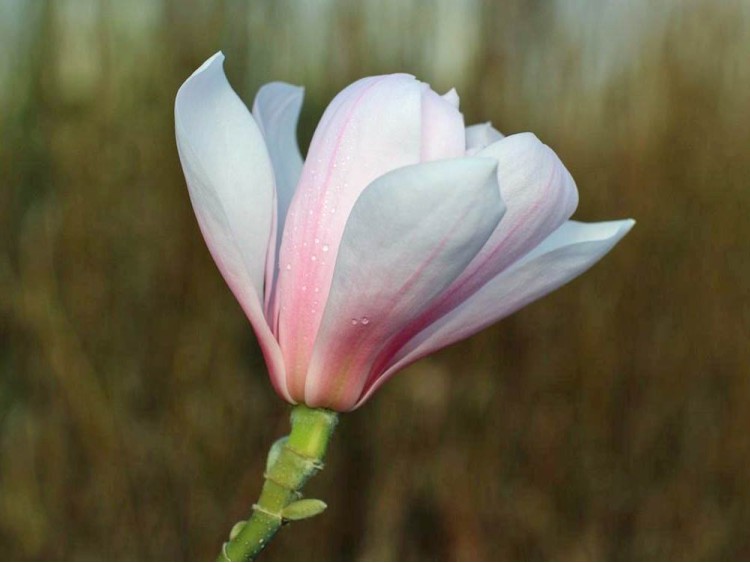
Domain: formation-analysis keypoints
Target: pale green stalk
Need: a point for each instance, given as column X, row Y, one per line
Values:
column 291, row 462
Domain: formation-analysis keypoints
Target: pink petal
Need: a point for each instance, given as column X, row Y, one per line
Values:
column 409, row 235
column 372, row 127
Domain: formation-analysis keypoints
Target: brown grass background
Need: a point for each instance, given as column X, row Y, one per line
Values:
column 609, row 420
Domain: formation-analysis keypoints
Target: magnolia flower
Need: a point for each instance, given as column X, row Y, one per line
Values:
column 401, row 233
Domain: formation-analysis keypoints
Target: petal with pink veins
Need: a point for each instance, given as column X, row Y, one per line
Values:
column 371, row 128
column 539, row 194
column 409, row 235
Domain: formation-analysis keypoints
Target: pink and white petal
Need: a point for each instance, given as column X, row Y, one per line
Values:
column 369, row 129
column 231, row 187
column 564, row 255
column 443, row 131
column 409, row 235
column 540, row 195
column 480, row 136
column 276, row 109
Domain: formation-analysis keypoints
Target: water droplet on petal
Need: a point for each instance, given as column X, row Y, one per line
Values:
column 325, row 248
column 355, row 322
column 365, row 321
column 288, row 266
column 313, row 258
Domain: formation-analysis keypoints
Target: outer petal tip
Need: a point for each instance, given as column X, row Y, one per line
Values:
column 216, row 59
column 451, row 96
column 218, row 56
column 624, row 227
column 594, row 232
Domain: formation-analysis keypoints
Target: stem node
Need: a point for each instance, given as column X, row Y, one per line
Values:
column 292, row 461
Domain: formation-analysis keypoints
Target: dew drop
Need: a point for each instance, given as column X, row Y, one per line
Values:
column 288, row 266
column 313, row 258
column 355, row 322
column 365, row 321
column 333, row 210
column 325, row 248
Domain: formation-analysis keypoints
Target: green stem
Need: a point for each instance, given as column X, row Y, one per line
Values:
column 292, row 462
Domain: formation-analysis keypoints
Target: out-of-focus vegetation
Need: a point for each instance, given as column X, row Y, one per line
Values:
column 609, row 420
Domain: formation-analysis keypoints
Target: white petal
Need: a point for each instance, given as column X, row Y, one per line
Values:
column 230, row 180
column 480, row 136
column 443, row 131
column 409, row 235
column 451, row 96
column 564, row 255
column 276, row 110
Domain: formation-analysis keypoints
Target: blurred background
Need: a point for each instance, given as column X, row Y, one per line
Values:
column 607, row 421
